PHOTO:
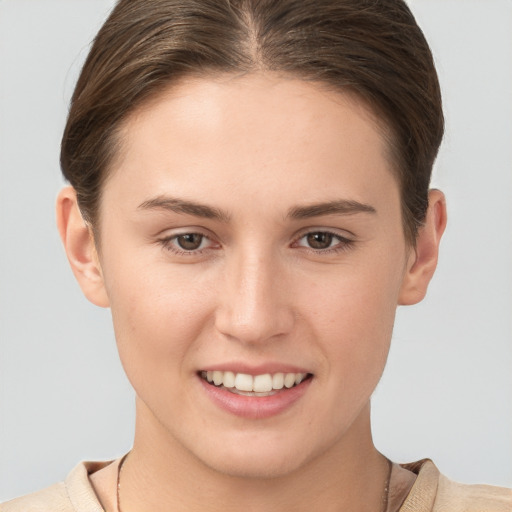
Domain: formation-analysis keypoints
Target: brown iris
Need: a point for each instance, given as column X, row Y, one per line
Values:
column 190, row 241
column 319, row 240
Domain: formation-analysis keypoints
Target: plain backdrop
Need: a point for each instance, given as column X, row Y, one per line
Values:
column 447, row 391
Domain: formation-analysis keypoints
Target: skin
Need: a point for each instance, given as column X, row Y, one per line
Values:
column 255, row 148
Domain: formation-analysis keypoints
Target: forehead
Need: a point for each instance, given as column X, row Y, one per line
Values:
column 264, row 102
column 257, row 132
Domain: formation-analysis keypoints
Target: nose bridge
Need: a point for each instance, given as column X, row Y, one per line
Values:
column 254, row 305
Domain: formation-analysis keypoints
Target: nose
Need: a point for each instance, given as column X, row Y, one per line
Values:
column 255, row 303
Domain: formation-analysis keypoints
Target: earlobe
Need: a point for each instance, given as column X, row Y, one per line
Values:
column 423, row 259
column 80, row 247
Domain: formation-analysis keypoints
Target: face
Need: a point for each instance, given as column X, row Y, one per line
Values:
column 251, row 236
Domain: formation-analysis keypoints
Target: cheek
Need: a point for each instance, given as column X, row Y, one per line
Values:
column 354, row 297
column 157, row 316
column 352, row 314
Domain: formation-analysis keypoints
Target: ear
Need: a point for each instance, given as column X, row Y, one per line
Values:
column 80, row 247
column 423, row 258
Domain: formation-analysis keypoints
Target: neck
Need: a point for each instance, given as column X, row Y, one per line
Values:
column 160, row 474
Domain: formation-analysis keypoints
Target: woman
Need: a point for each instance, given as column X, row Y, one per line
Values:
column 249, row 195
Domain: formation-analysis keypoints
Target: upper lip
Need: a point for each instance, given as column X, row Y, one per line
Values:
column 251, row 369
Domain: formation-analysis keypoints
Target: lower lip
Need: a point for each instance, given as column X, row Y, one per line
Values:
column 255, row 407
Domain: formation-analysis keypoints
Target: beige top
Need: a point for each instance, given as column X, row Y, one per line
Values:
column 431, row 492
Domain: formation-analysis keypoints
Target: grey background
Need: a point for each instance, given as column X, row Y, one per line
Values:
column 447, row 391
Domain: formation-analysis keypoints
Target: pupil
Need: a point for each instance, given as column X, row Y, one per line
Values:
column 190, row 241
column 319, row 240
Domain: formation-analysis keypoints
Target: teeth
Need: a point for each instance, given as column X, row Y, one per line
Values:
column 278, row 381
column 229, row 380
column 258, row 384
column 243, row 382
column 262, row 383
column 289, row 380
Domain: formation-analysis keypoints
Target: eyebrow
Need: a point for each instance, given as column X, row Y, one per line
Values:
column 339, row 207
column 177, row 205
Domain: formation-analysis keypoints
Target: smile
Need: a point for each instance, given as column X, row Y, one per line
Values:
column 253, row 385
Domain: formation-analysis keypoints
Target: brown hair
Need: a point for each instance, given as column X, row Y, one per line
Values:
column 371, row 47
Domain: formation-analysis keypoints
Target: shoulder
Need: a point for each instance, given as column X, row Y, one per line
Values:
column 52, row 498
column 75, row 494
column 453, row 496
column 433, row 492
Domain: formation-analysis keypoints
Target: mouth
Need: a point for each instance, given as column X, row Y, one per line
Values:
column 267, row 384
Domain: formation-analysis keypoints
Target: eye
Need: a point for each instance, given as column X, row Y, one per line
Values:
column 190, row 241
column 323, row 241
column 187, row 243
column 319, row 240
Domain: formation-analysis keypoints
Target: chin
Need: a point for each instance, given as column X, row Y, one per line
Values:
column 260, row 458
column 261, row 468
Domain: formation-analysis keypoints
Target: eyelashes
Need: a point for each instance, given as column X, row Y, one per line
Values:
column 188, row 244
column 323, row 242
column 190, row 241
column 318, row 242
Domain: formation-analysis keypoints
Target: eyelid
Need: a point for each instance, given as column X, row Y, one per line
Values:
column 345, row 242
column 340, row 233
column 346, row 239
column 166, row 240
column 182, row 229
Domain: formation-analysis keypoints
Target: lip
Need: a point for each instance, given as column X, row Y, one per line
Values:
column 256, row 407
column 253, row 370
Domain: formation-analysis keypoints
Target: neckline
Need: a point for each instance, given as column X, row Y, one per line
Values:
column 84, row 497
